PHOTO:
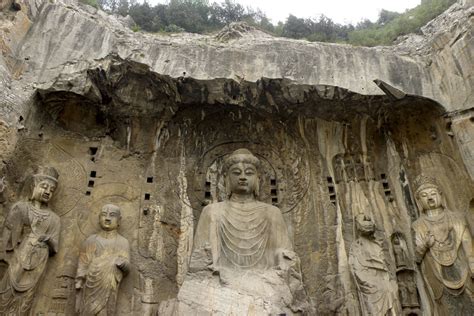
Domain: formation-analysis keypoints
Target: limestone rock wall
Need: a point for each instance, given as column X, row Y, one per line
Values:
column 145, row 120
column 437, row 66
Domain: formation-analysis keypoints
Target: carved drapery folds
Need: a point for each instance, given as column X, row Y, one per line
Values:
column 443, row 248
column 30, row 236
column 407, row 289
column 104, row 259
column 370, row 270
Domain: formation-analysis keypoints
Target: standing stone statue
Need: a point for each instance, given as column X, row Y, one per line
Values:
column 32, row 232
column 407, row 290
column 243, row 260
column 443, row 245
column 104, row 259
column 369, row 268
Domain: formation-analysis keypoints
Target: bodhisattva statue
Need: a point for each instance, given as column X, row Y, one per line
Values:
column 104, row 259
column 369, row 268
column 443, row 245
column 31, row 232
column 245, row 242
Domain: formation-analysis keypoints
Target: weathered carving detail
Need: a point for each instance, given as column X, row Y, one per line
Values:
column 443, row 246
column 31, row 232
column 407, row 291
column 370, row 270
column 103, row 261
column 352, row 167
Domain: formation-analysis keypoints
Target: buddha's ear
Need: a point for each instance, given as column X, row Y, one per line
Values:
column 418, row 204
column 257, row 187
column 228, row 192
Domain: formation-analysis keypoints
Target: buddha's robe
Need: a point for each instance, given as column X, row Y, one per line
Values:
column 97, row 265
column 24, row 226
column 240, row 236
column 445, row 266
column 371, row 276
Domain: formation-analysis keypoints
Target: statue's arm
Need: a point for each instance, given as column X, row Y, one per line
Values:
column 421, row 246
column 467, row 246
column 123, row 260
column 12, row 230
column 3, row 243
column 205, row 253
column 86, row 254
column 53, row 239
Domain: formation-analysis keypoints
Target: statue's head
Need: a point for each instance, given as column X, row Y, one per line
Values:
column 365, row 225
column 241, row 173
column 427, row 193
column 45, row 182
column 110, row 217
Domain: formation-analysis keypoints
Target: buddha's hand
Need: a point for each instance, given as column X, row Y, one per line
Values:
column 121, row 263
column 79, row 283
column 43, row 238
column 286, row 259
column 429, row 240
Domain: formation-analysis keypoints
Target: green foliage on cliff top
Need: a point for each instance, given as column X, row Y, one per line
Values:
column 388, row 28
column 198, row 16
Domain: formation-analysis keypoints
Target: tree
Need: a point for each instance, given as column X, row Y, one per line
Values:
column 228, row 11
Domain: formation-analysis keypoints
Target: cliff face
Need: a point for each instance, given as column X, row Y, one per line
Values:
column 66, row 38
column 145, row 120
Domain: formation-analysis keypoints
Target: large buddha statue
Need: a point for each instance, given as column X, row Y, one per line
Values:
column 30, row 236
column 444, row 249
column 242, row 260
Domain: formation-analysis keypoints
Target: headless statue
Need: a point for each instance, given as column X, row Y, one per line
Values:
column 31, row 233
column 103, row 261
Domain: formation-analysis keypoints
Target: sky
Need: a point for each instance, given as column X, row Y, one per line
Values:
column 340, row 11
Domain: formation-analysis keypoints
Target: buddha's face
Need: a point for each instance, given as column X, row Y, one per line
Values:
column 243, row 178
column 43, row 191
column 109, row 218
column 429, row 198
column 365, row 224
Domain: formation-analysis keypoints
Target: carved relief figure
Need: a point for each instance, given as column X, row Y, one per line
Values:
column 31, row 232
column 444, row 249
column 370, row 270
column 407, row 290
column 103, row 261
column 241, row 233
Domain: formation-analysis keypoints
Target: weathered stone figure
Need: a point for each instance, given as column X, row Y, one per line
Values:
column 370, row 270
column 443, row 246
column 243, row 243
column 32, row 232
column 103, row 261
column 407, row 289
column 242, row 232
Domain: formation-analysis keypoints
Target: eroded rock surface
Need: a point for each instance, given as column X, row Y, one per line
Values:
column 144, row 121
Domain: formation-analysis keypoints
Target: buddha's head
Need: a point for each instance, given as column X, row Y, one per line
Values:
column 241, row 173
column 365, row 225
column 428, row 195
column 110, row 217
column 45, row 182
